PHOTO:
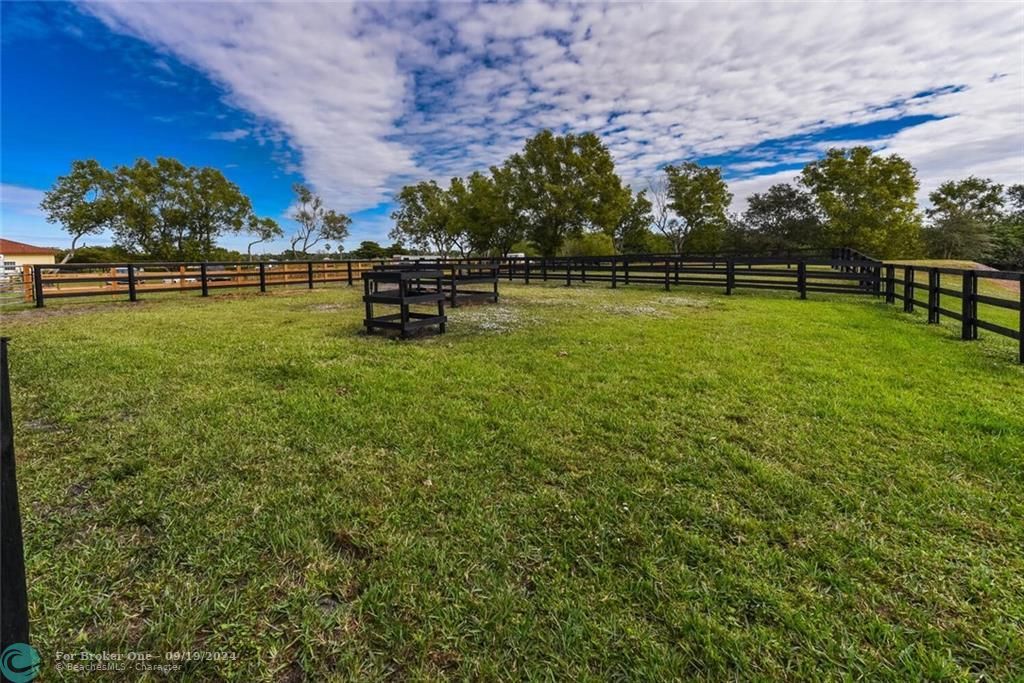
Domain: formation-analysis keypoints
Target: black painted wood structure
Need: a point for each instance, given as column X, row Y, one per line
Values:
column 13, row 593
column 404, row 289
column 464, row 282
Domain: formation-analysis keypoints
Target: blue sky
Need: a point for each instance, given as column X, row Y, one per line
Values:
column 357, row 100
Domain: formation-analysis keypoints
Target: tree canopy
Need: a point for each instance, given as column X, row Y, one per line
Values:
column 785, row 217
column 565, row 185
column 700, row 198
column 163, row 210
column 868, row 200
column 81, row 202
column 962, row 216
column 170, row 211
column 424, row 218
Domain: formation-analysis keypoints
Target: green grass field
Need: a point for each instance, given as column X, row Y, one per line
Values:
column 574, row 483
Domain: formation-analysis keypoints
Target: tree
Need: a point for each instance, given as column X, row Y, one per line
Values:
column 663, row 220
column 589, row 244
column 699, row 198
column 263, row 229
column 150, row 215
column 169, row 211
column 315, row 222
column 105, row 254
column 632, row 234
column 963, row 218
column 213, row 205
column 424, row 217
column 868, row 201
column 81, row 202
column 1007, row 248
column 785, row 217
column 482, row 209
column 369, row 250
column 563, row 186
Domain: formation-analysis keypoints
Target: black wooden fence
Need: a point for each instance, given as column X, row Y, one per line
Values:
column 841, row 271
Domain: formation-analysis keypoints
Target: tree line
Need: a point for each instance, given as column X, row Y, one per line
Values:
column 167, row 211
column 561, row 195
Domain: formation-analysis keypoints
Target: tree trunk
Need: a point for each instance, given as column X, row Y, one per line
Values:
column 71, row 252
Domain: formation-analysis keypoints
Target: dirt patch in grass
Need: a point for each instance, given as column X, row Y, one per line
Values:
column 348, row 546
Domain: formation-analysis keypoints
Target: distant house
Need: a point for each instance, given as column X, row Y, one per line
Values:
column 14, row 255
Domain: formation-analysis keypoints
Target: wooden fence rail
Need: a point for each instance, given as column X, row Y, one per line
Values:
column 43, row 282
column 842, row 271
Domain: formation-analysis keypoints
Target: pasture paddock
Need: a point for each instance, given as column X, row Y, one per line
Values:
column 601, row 483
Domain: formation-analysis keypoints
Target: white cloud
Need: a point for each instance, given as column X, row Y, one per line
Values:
column 308, row 69
column 230, row 135
column 371, row 96
column 23, row 201
column 22, row 220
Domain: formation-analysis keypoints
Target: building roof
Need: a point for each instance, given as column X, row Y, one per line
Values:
column 10, row 248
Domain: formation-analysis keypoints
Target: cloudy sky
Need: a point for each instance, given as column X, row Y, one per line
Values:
column 359, row 99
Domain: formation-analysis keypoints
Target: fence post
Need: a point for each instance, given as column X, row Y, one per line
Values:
column 263, row 277
column 202, row 277
column 890, row 283
column 131, row 283
column 526, row 264
column 544, row 268
column 615, row 272
column 730, row 275
column 625, row 271
column 676, row 259
column 668, row 273
column 908, row 289
column 37, row 285
column 801, row 278
column 967, row 330
column 568, row 272
column 309, row 273
column 13, row 590
column 933, row 296
column 26, row 283
column 349, row 269
column 1020, row 324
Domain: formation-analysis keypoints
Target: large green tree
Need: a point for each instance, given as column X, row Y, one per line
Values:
column 483, row 209
column 565, row 185
column 315, row 222
column 963, row 218
column 169, row 211
column 699, row 197
column 632, row 234
column 81, row 202
column 785, row 217
column 214, row 206
column 151, row 210
column 868, row 201
column 425, row 219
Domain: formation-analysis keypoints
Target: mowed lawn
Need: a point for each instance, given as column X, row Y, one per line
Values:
column 574, row 483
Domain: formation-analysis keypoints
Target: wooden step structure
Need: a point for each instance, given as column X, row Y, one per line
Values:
column 464, row 282
column 404, row 288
